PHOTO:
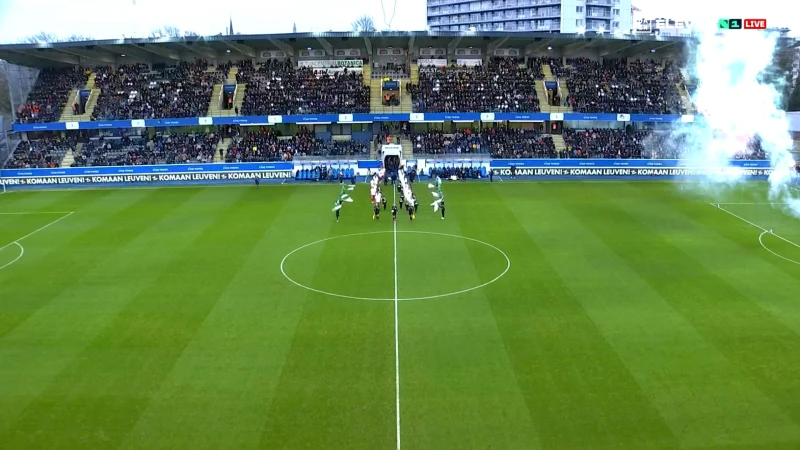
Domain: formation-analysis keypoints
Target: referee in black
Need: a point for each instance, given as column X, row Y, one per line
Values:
column 441, row 206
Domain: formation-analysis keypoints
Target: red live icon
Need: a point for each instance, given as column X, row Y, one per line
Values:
column 755, row 24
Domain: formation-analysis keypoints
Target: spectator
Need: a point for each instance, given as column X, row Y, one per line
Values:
column 278, row 88
column 124, row 151
column 50, row 93
column 499, row 142
column 615, row 86
column 502, row 85
column 41, row 153
column 136, row 92
column 267, row 145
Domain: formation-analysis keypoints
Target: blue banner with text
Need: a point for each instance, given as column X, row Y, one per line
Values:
column 285, row 171
column 350, row 118
column 526, row 163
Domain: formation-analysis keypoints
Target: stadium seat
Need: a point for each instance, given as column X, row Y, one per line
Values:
column 279, row 88
column 499, row 86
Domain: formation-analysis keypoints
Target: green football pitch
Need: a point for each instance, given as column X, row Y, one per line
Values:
column 556, row 315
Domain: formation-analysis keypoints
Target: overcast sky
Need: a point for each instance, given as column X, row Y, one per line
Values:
column 20, row 18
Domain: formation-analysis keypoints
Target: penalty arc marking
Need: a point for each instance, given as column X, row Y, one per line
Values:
column 21, row 254
column 764, row 231
column 429, row 297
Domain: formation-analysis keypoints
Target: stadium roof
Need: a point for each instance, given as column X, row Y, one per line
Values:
column 248, row 46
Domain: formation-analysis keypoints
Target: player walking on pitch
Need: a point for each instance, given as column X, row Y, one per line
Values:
column 337, row 207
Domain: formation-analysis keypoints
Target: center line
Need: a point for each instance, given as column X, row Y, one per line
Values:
column 396, row 325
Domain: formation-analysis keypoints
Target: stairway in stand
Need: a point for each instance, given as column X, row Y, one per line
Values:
column 414, row 70
column 375, row 97
column 66, row 112
column 90, row 84
column 373, row 151
column 561, row 146
column 366, row 73
column 232, row 75
column 238, row 97
column 548, row 73
column 562, row 87
column 686, row 101
column 214, row 104
column 223, row 145
column 408, row 149
column 69, row 158
column 541, row 94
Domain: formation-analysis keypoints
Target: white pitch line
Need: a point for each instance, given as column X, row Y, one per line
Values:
column 27, row 213
column 21, row 254
column 755, row 225
column 753, row 203
column 36, row 231
column 761, row 241
column 396, row 324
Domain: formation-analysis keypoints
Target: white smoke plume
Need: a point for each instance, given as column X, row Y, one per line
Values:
column 739, row 106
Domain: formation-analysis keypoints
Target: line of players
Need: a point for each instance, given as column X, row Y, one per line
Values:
column 379, row 200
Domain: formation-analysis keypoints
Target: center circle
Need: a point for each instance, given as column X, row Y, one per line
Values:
column 416, row 252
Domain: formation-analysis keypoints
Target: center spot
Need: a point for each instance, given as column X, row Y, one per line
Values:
column 361, row 266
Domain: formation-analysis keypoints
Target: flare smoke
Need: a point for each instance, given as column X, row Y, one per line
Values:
column 739, row 105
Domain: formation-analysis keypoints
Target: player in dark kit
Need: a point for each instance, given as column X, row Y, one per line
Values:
column 394, row 213
column 376, row 213
column 337, row 207
column 401, row 200
column 441, row 206
column 258, row 182
column 416, row 203
column 383, row 201
column 411, row 215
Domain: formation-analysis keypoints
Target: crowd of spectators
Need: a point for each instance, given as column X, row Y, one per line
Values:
column 604, row 143
column 267, row 145
column 40, row 154
column 615, row 86
column 124, row 151
column 501, row 85
column 279, row 88
column 185, row 148
column 135, row 91
column 499, row 142
column 48, row 96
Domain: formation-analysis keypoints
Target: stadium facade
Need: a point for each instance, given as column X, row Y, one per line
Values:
column 564, row 16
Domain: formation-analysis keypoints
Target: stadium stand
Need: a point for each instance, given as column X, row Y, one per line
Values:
column 186, row 148
column 40, row 154
column 604, row 143
column 137, row 92
column 500, row 142
column 125, row 151
column 641, row 143
column 49, row 94
column 278, row 88
column 502, row 85
column 267, row 145
column 615, row 86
